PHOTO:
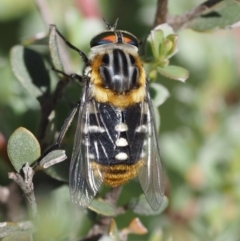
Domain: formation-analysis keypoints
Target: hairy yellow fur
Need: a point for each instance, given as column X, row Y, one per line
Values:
column 103, row 95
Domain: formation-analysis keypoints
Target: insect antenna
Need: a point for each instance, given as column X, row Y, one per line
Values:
column 113, row 28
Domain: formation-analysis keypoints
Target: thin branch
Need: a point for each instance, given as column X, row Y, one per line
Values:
column 4, row 194
column 103, row 223
column 27, row 187
column 162, row 11
column 181, row 21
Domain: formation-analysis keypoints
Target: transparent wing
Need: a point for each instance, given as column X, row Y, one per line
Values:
column 84, row 178
column 150, row 174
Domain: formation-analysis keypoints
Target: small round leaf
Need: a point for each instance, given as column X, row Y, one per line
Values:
column 101, row 207
column 23, row 148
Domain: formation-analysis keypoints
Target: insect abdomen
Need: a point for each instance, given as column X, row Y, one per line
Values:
column 116, row 148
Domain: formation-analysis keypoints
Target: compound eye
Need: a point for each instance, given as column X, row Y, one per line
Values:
column 103, row 38
column 130, row 39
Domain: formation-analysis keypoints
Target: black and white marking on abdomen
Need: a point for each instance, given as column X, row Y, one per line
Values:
column 121, row 142
column 121, row 156
column 121, row 127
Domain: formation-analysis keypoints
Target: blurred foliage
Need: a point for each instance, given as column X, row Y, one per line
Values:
column 199, row 133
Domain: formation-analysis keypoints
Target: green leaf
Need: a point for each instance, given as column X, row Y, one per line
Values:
column 222, row 15
column 148, row 53
column 101, row 207
column 174, row 72
column 9, row 228
column 156, row 39
column 174, row 39
column 157, row 235
column 159, row 94
column 59, row 171
column 53, row 46
column 23, row 148
column 37, row 39
column 28, row 67
column 53, row 158
column 141, row 206
column 19, row 236
column 165, row 48
column 113, row 231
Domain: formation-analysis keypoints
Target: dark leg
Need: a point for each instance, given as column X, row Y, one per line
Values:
column 70, row 76
column 84, row 57
column 62, row 133
column 67, row 123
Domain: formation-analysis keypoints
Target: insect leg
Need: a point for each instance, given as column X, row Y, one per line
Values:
column 66, row 124
column 63, row 130
column 83, row 56
column 70, row 76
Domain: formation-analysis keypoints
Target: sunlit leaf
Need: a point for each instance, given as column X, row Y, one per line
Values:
column 141, row 206
column 101, row 207
column 174, row 72
column 23, row 148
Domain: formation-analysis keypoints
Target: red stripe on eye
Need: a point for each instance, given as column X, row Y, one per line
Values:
column 127, row 40
column 111, row 38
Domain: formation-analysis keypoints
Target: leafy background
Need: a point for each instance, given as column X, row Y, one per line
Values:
column 199, row 132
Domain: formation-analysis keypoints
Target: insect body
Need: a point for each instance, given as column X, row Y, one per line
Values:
column 116, row 136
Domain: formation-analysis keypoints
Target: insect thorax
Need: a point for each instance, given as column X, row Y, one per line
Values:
column 117, row 75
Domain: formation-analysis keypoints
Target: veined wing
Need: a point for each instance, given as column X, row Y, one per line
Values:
column 84, row 179
column 150, row 172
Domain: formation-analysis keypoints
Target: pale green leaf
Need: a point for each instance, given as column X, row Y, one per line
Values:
column 53, row 158
column 222, row 15
column 8, row 228
column 23, row 148
column 159, row 94
column 174, row 72
column 141, row 206
column 101, row 207
column 53, row 46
